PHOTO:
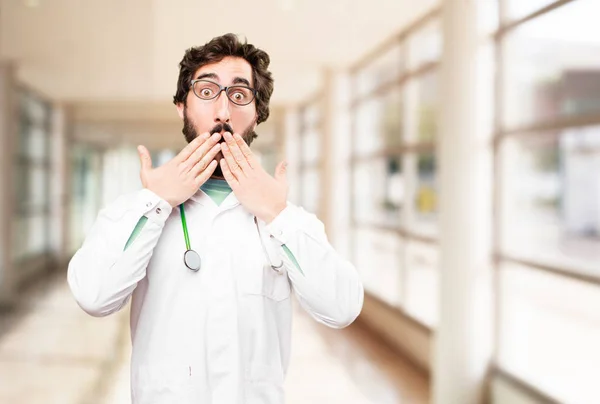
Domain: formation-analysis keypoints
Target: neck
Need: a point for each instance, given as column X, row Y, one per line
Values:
column 216, row 177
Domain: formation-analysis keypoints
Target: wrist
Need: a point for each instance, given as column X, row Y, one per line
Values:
column 161, row 195
column 273, row 212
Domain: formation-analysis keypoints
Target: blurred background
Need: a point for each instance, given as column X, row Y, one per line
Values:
column 452, row 149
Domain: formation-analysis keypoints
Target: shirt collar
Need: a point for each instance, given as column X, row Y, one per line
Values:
column 202, row 198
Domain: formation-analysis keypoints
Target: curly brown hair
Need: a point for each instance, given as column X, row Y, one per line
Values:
column 213, row 52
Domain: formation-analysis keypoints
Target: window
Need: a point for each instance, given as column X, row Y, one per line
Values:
column 422, row 277
column 378, row 191
column 549, row 332
column 32, row 178
column 551, row 198
column 552, row 73
column 394, row 173
column 425, row 46
column 548, row 197
column 311, row 156
column 424, row 217
column 383, row 69
column 516, row 9
column 427, row 109
column 379, row 123
column 380, row 251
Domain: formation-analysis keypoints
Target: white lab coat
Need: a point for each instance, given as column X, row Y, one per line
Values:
column 221, row 335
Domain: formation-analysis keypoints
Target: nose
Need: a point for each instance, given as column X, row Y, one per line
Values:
column 222, row 113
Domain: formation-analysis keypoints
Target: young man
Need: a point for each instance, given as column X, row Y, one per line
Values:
column 210, row 249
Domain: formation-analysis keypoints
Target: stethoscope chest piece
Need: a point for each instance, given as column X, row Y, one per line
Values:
column 192, row 260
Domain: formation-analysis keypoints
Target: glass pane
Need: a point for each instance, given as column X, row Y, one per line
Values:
column 551, row 198
column 37, row 226
column 379, row 123
column 379, row 191
column 38, row 187
column 31, row 187
column 311, row 147
column 311, row 188
column 427, row 90
column 503, row 392
column 378, row 258
column 36, row 110
column 515, row 9
column 30, row 235
column 422, row 276
column 487, row 16
column 425, row 45
column 552, row 72
column 20, row 184
column 312, row 116
column 19, row 237
column 37, row 148
column 549, row 333
column 310, row 135
column 424, row 217
column 23, row 135
column 385, row 69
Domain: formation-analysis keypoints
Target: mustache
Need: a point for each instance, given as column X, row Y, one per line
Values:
column 220, row 127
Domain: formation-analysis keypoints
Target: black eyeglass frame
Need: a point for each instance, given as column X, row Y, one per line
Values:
column 224, row 88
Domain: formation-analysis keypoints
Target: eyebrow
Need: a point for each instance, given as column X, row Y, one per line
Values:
column 241, row 80
column 207, row 76
column 237, row 80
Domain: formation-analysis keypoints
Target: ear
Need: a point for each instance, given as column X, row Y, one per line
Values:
column 180, row 108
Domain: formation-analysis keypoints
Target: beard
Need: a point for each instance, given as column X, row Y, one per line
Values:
column 190, row 133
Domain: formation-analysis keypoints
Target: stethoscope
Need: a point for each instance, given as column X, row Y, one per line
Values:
column 191, row 258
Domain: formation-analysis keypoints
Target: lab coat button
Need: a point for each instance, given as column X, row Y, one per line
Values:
column 158, row 210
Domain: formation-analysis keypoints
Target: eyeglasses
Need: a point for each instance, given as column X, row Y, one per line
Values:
column 208, row 90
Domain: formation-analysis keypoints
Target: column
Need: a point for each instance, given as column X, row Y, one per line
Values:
column 59, row 186
column 336, row 151
column 291, row 143
column 463, row 340
column 8, row 130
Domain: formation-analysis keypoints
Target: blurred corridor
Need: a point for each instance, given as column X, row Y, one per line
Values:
column 42, row 359
column 450, row 147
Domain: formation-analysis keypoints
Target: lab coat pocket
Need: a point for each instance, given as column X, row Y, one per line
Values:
column 162, row 383
column 258, row 278
column 276, row 285
column 264, row 385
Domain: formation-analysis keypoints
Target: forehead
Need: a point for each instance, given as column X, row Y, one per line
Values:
column 227, row 69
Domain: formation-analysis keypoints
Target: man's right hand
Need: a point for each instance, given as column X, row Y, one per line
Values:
column 180, row 178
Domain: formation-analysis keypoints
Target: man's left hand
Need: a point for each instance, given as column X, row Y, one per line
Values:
column 264, row 196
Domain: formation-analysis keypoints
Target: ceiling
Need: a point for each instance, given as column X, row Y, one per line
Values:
column 102, row 55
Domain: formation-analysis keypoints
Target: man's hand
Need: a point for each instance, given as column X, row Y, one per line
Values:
column 264, row 196
column 180, row 178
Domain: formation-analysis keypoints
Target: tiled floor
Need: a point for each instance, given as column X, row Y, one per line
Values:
column 53, row 353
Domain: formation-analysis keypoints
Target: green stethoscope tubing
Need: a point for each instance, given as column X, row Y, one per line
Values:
column 191, row 258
